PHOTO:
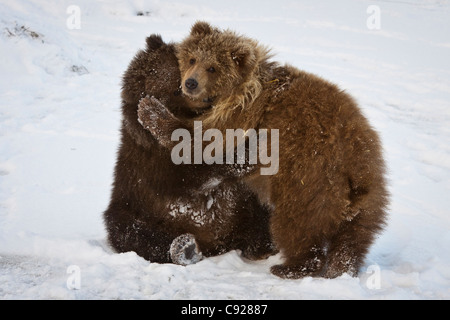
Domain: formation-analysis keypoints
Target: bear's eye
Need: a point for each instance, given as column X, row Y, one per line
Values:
column 211, row 70
column 192, row 61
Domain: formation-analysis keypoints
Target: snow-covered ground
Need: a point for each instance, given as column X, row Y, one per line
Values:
column 60, row 114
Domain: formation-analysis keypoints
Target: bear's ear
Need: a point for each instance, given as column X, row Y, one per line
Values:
column 245, row 58
column 154, row 42
column 201, row 28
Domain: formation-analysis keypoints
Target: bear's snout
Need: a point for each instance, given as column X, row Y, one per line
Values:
column 191, row 84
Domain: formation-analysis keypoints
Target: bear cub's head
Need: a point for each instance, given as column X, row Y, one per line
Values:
column 215, row 64
column 154, row 71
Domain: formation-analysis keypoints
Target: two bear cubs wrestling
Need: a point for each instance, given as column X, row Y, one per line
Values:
column 321, row 210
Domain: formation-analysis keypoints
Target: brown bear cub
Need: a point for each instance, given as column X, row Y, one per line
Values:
column 174, row 213
column 329, row 194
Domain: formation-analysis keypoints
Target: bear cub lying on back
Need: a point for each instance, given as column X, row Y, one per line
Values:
column 174, row 213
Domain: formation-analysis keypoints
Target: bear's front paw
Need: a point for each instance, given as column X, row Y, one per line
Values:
column 151, row 109
column 184, row 250
column 157, row 119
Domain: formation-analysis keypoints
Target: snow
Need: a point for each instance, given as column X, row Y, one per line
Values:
column 59, row 132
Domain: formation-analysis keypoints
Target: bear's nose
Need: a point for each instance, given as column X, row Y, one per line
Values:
column 191, row 83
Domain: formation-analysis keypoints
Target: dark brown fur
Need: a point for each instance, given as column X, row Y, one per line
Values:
column 329, row 196
column 154, row 201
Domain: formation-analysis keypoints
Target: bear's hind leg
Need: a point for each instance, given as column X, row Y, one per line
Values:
column 364, row 219
column 127, row 233
column 348, row 248
column 300, row 230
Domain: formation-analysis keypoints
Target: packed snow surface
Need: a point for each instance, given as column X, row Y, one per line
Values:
column 61, row 66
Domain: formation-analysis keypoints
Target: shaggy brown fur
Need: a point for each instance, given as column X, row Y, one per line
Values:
column 154, row 201
column 329, row 196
